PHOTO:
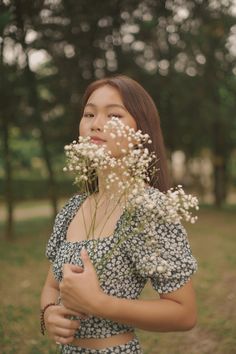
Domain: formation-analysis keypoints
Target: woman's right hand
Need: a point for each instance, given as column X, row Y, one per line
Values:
column 59, row 325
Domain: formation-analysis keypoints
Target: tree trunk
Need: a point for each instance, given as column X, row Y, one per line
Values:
column 35, row 104
column 220, row 160
column 34, row 100
column 8, row 192
column 8, row 182
column 220, row 180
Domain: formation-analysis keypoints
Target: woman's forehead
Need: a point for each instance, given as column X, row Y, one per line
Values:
column 105, row 95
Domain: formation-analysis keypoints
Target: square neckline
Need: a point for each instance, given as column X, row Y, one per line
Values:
column 81, row 200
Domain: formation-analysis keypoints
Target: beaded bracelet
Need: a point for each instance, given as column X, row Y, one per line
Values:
column 42, row 312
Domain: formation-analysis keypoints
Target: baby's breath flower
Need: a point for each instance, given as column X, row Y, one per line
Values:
column 160, row 269
column 130, row 172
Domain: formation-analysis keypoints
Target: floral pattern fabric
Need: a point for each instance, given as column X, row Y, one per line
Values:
column 121, row 259
column 132, row 347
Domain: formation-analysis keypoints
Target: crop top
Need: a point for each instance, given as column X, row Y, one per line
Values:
column 120, row 261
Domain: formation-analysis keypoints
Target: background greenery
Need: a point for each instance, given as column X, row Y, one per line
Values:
column 182, row 51
column 213, row 243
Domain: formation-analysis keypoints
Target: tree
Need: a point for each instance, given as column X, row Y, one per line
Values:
column 189, row 57
column 178, row 49
column 7, row 119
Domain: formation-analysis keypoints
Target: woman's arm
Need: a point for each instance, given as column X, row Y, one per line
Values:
column 172, row 312
column 58, row 325
column 175, row 311
column 50, row 292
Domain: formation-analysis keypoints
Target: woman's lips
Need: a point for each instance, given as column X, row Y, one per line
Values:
column 96, row 140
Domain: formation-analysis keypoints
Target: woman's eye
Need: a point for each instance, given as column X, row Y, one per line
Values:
column 114, row 115
column 88, row 115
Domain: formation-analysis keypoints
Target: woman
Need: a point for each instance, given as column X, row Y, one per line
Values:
column 100, row 316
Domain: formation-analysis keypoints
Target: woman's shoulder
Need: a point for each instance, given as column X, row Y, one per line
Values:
column 72, row 203
column 74, row 199
column 60, row 225
column 154, row 213
column 149, row 200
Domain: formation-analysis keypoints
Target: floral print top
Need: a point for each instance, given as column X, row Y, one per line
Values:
column 121, row 260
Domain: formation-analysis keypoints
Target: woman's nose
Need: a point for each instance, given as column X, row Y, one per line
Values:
column 98, row 122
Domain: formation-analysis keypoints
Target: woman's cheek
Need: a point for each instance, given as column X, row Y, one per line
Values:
column 83, row 130
column 116, row 149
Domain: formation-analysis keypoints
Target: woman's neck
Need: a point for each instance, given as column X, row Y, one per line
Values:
column 113, row 188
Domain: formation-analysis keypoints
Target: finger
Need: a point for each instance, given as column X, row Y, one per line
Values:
column 67, row 312
column 64, row 328
column 76, row 269
column 66, row 269
column 73, row 324
column 78, row 316
column 85, row 258
column 64, row 332
column 72, row 267
column 68, row 323
column 83, row 316
column 60, row 321
column 62, row 340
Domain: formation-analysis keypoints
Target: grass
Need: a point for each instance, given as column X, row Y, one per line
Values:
column 23, row 268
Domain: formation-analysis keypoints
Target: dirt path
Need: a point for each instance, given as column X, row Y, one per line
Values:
column 27, row 210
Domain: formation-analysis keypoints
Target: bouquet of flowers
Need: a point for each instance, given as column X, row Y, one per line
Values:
column 130, row 172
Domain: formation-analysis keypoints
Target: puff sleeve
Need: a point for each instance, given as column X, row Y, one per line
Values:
column 166, row 259
column 176, row 251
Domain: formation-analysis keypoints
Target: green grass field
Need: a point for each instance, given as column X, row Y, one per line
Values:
column 213, row 240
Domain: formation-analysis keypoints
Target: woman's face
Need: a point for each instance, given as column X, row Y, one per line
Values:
column 103, row 104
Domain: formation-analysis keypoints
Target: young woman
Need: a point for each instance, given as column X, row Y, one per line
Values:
column 100, row 316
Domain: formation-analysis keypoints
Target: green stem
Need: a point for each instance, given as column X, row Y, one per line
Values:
column 105, row 259
column 113, row 209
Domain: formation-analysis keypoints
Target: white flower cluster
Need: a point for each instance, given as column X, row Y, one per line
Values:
column 129, row 170
column 154, row 264
column 171, row 207
column 84, row 157
column 178, row 205
column 136, row 161
column 155, row 208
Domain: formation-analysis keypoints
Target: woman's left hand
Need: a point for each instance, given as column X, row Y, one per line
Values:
column 80, row 289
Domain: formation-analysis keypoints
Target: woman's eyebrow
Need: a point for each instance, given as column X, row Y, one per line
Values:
column 116, row 105
column 111, row 105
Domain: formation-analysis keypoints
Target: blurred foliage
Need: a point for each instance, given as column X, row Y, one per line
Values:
column 213, row 244
column 181, row 51
column 36, row 188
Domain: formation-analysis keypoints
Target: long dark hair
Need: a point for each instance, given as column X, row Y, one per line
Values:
column 141, row 106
